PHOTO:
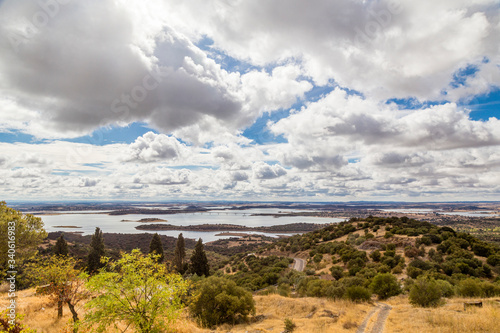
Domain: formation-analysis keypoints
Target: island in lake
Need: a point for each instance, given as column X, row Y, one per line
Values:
column 284, row 228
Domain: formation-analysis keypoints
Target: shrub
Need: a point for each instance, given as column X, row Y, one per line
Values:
column 490, row 289
column 469, row 288
column 289, row 325
column 335, row 292
column 219, row 301
column 375, row 255
column 425, row 293
column 446, row 288
column 494, row 260
column 358, row 294
column 385, row 286
column 337, row 272
column 284, row 290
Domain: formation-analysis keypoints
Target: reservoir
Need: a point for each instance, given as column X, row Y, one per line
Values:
column 87, row 222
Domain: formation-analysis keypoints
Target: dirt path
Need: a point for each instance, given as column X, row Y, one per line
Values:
column 299, row 264
column 378, row 327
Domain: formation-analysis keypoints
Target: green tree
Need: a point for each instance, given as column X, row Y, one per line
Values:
column 61, row 247
column 156, row 247
column 385, row 285
column 96, row 252
column 61, row 281
column 218, row 300
column 425, row 293
column 138, row 291
column 179, row 254
column 199, row 261
column 20, row 233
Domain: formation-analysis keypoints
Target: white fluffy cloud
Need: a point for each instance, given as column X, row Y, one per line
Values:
column 151, row 147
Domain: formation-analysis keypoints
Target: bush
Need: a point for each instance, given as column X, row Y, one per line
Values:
column 470, row 288
column 494, row 260
column 358, row 294
column 490, row 289
column 289, row 325
column 337, row 272
column 385, row 286
column 446, row 288
column 219, row 301
column 425, row 293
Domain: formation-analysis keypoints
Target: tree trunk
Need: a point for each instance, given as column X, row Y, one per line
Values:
column 59, row 309
column 73, row 312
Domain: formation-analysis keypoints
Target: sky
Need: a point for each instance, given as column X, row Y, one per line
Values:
column 347, row 100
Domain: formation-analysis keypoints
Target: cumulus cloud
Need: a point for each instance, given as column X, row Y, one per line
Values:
column 154, row 147
column 262, row 170
column 381, row 48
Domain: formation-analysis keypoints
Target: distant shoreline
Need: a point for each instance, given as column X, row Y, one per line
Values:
column 285, row 228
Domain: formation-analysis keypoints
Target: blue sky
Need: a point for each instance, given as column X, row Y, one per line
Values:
column 323, row 102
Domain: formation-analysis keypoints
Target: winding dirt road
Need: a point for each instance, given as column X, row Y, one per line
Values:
column 378, row 327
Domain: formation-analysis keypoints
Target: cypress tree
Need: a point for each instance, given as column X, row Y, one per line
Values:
column 61, row 247
column 155, row 247
column 199, row 262
column 96, row 252
column 179, row 254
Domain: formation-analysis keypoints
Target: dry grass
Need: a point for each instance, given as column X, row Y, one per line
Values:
column 39, row 313
column 306, row 313
column 450, row 318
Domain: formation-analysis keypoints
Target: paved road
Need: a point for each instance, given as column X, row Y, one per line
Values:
column 299, row 264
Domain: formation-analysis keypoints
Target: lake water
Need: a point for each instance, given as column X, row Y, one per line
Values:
column 113, row 224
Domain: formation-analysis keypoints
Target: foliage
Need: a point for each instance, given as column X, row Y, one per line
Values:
column 96, row 252
column 61, row 247
column 218, row 300
column 156, row 248
column 199, row 262
column 179, row 254
column 469, row 288
column 425, row 293
column 61, row 281
column 7, row 327
column 385, row 286
column 26, row 230
column 136, row 290
column 289, row 325
column 358, row 294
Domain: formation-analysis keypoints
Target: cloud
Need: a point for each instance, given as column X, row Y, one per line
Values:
column 147, row 71
column 88, row 182
column 262, row 170
column 384, row 49
column 154, row 147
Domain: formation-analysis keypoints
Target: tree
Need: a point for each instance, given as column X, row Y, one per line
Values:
column 96, row 252
column 179, row 254
column 155, row 247
column 218, row 300
column 21, row 235
column 385, row 286
column 61, row 281
column 61, row 247
column 199, row 262
column 425, row 293
column 136, row 290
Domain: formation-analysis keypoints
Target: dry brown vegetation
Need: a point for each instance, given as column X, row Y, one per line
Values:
column 309, row 314
column 450, row 318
